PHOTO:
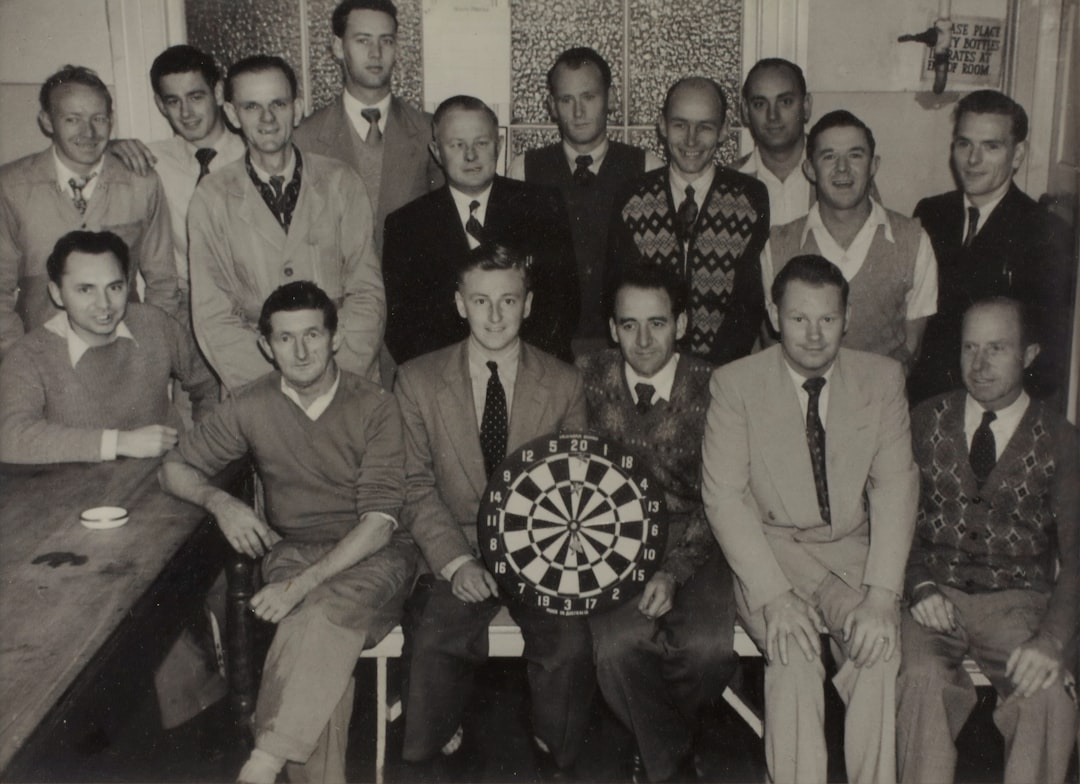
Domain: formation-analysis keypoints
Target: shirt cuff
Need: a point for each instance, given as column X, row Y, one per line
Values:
column 452, row 567
column 386, row 516
column 109, row 439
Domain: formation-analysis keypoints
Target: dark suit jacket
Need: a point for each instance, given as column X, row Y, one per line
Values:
column 408, row 168
column 425, row 239
column 1022, row 251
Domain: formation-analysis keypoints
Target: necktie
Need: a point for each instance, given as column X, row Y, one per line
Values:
column 973, row 226
column 815, row 439
column 493, row 427
column 77, row 197
column 472, row 225
column 374, row 135
column 645, row 394
column 582, row 174
column 983, row 454
column 687, row 215
column 204, row 155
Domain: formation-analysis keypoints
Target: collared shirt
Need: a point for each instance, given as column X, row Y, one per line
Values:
column 701, row 185
column 316, row 407
column 984, row 213
column 788, row 199
column 353, row 107
column 77, row 347
column 64, row 173
column 517, row 165
column 921, row 299
column 1003, row 427
column 479, row 374
column 286, row 173
column 804, row 397
column 462, row 201
column 662, row 381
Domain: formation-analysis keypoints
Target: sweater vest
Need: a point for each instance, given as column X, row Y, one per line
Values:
column 878, row 292
column 369, row 160
column 589, row 207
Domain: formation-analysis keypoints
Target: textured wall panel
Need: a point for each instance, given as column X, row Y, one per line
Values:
column 541, row 29
column 650, row 140
column 669, row 40
column 232, row 29
column 522, row 139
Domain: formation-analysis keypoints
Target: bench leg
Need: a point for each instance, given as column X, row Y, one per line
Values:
column 381, row 718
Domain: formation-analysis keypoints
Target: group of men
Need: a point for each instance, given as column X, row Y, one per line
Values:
column 383, row 318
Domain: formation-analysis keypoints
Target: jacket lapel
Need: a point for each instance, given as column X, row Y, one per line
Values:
column 455, row 403
column 849, row 442
column 253, row 212
column 310, row 205
column 530, row 395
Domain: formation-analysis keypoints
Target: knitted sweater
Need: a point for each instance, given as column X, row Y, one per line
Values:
column 1008, row 533
column 51, row 412
column 667, row 439
column 319, row 475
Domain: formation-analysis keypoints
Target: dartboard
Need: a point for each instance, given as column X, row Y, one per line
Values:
column 570, row 524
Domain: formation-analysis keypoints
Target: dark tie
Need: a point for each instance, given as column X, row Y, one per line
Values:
column 645, row 394
column 374, row 135
column 77, row 197
column 493, row 427
column 687, row 215
column 973, row 226
column 582, row 174
column 204, row 155
column 277, row 182
column 472, row 225
column 815, row 439
column 983, row 454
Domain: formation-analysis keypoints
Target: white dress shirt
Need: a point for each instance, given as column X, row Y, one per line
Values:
column 353, row 107
column 462, row 202
column 661, row 381
column 789, row 199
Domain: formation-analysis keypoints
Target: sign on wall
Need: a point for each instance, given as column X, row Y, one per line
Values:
column 976, row 53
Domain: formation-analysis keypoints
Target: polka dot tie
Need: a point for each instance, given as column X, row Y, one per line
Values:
column 583, row 174
column 493, row 425
column 815, row 439
column 983, row 455
column 645, row 394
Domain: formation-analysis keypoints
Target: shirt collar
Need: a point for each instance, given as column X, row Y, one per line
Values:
column 64, row 172
column 754, row 165
column 76, row 346
column 462, row 201
column 598, row 152
column 661, row 381
column 317, row 406
column 986, row 209
column 701, row 184
column 221, row 146
column 287, row 173
column 354, row 106
column 798, row 379
column 878, row 217
column 480, row 356
column 1007, row 418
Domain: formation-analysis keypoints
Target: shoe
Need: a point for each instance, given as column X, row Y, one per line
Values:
column 454, row 744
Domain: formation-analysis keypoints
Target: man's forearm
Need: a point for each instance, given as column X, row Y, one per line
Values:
column 367, row 538
column 190, row 484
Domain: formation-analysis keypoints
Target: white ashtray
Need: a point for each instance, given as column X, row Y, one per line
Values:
column 104, row 517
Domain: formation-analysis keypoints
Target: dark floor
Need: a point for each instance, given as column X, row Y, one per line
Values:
column 135, row 749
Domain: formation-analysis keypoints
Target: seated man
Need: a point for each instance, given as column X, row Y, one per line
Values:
column 92, row 383
column 994, row 571
column 663, row 657
column 464, row 407
column 816, row 531
column 337, row 568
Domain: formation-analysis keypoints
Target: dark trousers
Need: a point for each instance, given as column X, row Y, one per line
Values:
column 445, row 638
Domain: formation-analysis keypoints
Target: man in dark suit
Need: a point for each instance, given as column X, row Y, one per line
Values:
column 464, row 407
column 378, row 134
column 991, row 239
column 426, row 239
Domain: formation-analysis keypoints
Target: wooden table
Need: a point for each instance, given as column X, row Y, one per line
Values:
column 60, row 619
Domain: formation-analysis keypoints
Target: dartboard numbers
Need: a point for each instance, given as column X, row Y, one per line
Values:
column 568, row 524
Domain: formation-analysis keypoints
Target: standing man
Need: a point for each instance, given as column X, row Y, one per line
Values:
column 589, row 170
column 706, row 224
column 74, row 185
column 428, row 238
column 376, row 133
column 991, row 239
column 811, row 491
column 273, row 217
column 994, row 571
column 336, row 567
column 663, row 657
column 465, row 407
column 886, row 258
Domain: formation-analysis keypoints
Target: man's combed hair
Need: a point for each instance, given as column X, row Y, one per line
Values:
column 813, row 270
column 257, row 64
column 701, row 81
column 841, row 118
column 492, row 256
column 466, row 103
column 643, row 275
column 73, row 74
column 183, row 59
column 576, row 58
column 299, row 295
column 92, row 242
column 339, row 20
column 774, row 62
column 993, row 102
column 1030, row 323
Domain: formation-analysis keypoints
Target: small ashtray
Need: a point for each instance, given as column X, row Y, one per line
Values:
column 104, row 517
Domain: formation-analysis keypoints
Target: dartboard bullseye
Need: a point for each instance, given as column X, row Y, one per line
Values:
column 570, row 524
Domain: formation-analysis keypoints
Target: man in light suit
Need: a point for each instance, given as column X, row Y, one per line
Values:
column 426, row 238
column 390, row 154
column 272, row 218
column 464, row 406
column 817, row 535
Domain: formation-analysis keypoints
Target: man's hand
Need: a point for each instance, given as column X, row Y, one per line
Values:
column 135, row 155
column 933, row 610
column 242, row 528
column 473, row 583
column 1033, row 665
column 149, row 441
column 791, row 615
column 658, row 597
column 872, row 628
column 276, row 600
